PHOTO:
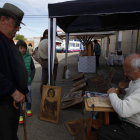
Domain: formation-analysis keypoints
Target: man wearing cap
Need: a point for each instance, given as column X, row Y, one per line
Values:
column 13, row 73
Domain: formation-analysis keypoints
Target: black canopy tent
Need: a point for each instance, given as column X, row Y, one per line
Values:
column 92, row 16
column 96, row 15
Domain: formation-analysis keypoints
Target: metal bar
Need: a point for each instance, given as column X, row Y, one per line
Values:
column 131, row 42
column 67, row 44
column 54, row 47
column 51, row 50
column 49, row 47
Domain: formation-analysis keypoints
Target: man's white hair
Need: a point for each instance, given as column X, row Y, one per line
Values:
column 135, row 63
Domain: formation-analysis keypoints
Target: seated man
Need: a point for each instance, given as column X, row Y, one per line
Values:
column 128, row 109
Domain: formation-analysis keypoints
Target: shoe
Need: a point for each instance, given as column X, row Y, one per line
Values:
column 20, row 119
column 29, row 113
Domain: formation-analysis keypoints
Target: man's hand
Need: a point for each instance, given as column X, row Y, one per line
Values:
column 113, row 90
column 18, row 97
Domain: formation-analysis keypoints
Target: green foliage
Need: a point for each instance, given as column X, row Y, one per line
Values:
column 19, row 37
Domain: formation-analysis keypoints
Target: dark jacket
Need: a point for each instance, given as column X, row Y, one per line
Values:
column 9, row 74
column 97, row 49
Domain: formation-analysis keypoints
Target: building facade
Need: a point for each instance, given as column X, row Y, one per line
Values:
column 126, row 41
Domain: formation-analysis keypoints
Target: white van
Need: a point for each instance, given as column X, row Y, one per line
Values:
column 74, row 46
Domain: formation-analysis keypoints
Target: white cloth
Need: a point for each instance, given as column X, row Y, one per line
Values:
column 87, row 64
column 113, row 58
column 129, row 107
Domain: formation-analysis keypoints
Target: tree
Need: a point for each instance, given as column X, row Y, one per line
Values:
column 19, row 37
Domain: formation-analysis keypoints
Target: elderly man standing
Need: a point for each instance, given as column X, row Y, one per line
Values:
column 128, row 108
column 13, row 73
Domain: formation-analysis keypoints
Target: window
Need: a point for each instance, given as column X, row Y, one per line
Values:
column 77, row 45
column 72, row 44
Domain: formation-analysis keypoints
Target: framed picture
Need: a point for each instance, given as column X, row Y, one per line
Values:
column 75, row 125
column 72, row 95
column 97, row 78
column 81, row 135
column 103, row 87
column 71, row 103
column 79, row 87
column 80, row 76
column 80, row 82
column 50, row 103
column 100, row 82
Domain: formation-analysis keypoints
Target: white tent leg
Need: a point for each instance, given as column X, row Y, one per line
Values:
column 54, row 41
column 51, row 47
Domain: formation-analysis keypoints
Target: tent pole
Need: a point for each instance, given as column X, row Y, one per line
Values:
column 137, row 43
column 131, row 42
column 49, row 47
column 101, row 48
column 117, row 36
column 67, row 44
column 104, row 48
column 54, row 46
column 107, row 48
column 50, row 51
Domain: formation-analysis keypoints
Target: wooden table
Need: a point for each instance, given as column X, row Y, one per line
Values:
column 100, row 109
column 103, row 116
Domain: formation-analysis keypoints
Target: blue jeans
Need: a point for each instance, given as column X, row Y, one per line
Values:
column 29, row 100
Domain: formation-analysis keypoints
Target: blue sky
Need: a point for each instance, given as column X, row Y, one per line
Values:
column 34, row 26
